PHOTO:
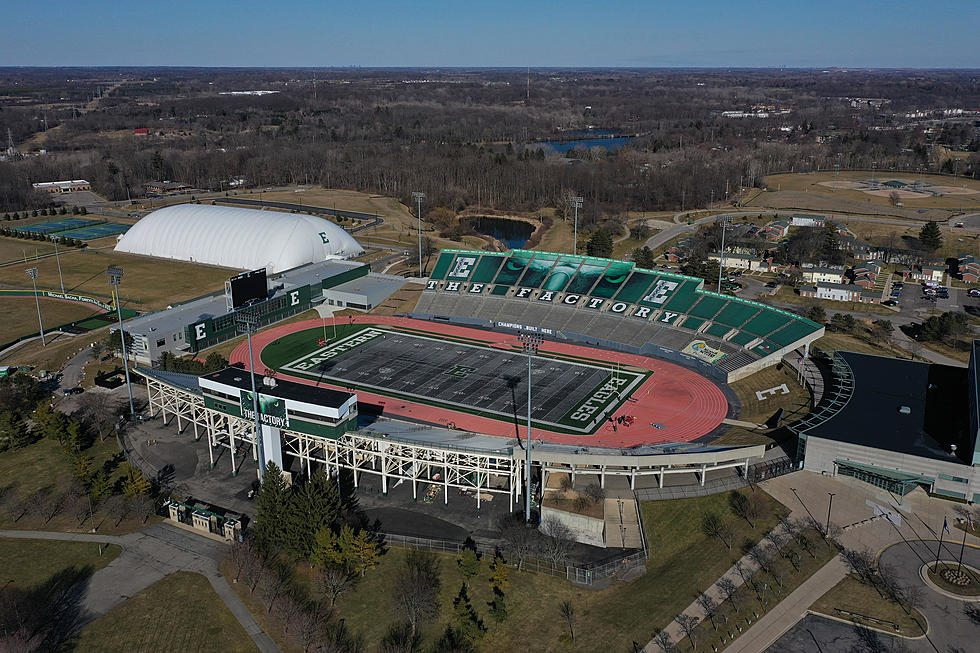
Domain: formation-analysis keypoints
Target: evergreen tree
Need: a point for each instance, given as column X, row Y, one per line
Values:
column 643, row 257
column 600, row 244
column 273, row 503
column 930, row 236
column 101, row 487
column 453, row 641
column 498, row 572
column 498, row 608
column 83, row 211
column 135, row 484
column 48, row 422
column 465, row 620
column 469, row 564
column 313, row 507
column 363, row 552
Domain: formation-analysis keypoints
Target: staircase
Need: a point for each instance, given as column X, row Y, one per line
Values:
column 622, row 523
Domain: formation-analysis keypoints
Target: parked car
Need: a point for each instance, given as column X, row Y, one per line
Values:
column 773, row 284
column 72, row 391
column 974, row 292
column 889, row 302
column 960, row 224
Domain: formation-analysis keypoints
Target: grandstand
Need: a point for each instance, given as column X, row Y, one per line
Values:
column 613, row 303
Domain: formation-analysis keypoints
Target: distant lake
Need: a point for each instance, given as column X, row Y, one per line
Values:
column 513, row 233
column 586, row 143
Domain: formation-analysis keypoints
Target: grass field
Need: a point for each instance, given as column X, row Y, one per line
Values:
column 795, row 404
column 17, row 249
column 682, row 561
column 27, row 563
column 53, row 356
column 854, row 596
column 148, row 283
column 862, row 345
column 20, row 315
column 179, row 613
column 812, row 183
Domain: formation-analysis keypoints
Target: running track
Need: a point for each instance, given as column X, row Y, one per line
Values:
column 684, row 402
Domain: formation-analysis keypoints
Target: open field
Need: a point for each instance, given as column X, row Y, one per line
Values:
column 788, row 295
column 796, row 403
column 683, row 560
column 28, row 563
column 821, row 183
column 955, row 241
column 53, row 356
column 179, row 613
column 20, row 315
column 832, row 341
column 17, row 249
column 854, row 596
column 149, row 283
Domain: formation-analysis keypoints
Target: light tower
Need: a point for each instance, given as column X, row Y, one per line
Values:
column 32, row 273
column 115, row 276
column 418, row 197
column 721, row 258
column 575, row 203
column 247, row 322
column 530, row 343
column 57, row 257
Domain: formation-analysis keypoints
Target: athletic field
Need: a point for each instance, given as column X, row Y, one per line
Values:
column 568, row 396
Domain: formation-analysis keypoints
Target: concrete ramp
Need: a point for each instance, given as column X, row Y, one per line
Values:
column 622, row 524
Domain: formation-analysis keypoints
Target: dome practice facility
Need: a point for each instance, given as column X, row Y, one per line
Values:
column 624, row 373
column 246, row 239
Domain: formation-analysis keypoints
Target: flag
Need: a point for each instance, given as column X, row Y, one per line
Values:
column 945, row 525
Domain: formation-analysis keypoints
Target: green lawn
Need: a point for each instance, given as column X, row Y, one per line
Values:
column 28, row 563
column 20, row 314
column 179, row 613
column 854, row 596
column 682, row 561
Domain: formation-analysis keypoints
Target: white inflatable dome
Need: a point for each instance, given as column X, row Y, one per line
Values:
column 234, row 237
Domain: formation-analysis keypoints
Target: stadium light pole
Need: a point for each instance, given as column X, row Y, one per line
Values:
column 247, row 322
column 576, row 203
column 418, row 197
column 721, row 259
column 530, row 344
column 57, row 257
column 829, row 506
column 32, row 273
column 115, row 276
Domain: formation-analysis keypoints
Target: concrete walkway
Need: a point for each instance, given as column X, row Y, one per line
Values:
column 147, row 556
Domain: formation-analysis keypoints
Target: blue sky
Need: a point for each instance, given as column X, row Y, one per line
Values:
column 763, row 33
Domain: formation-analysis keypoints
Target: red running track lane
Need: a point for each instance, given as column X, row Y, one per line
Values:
column 684, row 402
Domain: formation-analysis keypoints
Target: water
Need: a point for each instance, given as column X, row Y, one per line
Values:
column 513, row 233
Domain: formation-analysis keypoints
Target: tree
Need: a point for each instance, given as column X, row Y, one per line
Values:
column 48, row 422
column 816, row 313
column 557, row 541
column 114, row 343
column 314, row 506
column 415, row 589
column 930, row 236
column 465, row 620
column 215, row 362
column 498, row 607
column 707, row 604
column 453, row 641
column 600, row 244
column 333, row 581
column 245, row 556
column 101, row 486
column 663, row 641
column 643, row 257
column 469, row 563
column 688, row 625
column 14, row 432
column 400, row 639
column 712, row 525
column 843, row 322
column 730, row 590
column 135, row 484
column 881, row 330
column 272, row 503
column 894, row 197
column 498, row 572
column 567, row 611
column 748, row 507
column 519, row 538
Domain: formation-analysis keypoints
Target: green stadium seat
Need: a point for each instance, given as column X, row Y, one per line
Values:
column 792, row 332
column 736, row 313
column 692, row 323
column 442, row 265
column 708, row 307
column 683, row 297
column 718, row 330
column 635, row 287
column 743, row 339
column 487, row 269
column 766, row 322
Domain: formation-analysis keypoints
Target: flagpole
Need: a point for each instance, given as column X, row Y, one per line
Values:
column 962, row 545
column 935, row 568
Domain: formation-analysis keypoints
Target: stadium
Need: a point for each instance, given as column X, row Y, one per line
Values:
column 631, row 383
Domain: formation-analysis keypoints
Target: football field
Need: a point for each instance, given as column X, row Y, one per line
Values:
column 568, row 396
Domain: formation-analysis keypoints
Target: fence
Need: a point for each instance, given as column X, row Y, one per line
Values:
column 584, row 575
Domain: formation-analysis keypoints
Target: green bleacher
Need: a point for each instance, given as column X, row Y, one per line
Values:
column 635, row 287
column 791, row 333
column 537, row 270
column 736, row 313
column 584, row 279
column 442, row 265
column 742, row 338
column 486, row 269
column 692, row 323
column 500, row 290
column 708, row 307
column 766, row 322
column 718, row 330
column 512, row 270
column 683, row 298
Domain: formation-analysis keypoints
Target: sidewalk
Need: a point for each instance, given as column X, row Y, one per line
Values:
column 790, row 610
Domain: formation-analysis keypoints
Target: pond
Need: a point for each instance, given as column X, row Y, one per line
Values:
column 513, row 233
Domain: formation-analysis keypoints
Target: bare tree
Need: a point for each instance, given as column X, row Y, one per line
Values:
column 862, row 565
column 663, row 641
column 688, row 624
column 333, row 581
column 707, row 604
column 118, row 506
column 274, row 582
column 415, row 589
column 713, row 525
column 729, row 589
column 567, row 611
column 400, row 639
column 749, row 507
column 14, row 503
column 595, row 492
column 245, row 557
column 519, row 539
column 557, row 541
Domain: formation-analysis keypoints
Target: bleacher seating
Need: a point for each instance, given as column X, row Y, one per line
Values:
column 609, row 300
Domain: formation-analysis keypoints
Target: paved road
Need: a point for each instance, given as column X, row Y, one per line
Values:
column 147, row 556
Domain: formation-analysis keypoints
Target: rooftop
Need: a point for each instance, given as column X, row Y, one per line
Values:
column 310, row 394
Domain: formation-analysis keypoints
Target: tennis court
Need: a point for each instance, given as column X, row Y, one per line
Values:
column 94, row 231
column 57, row 226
